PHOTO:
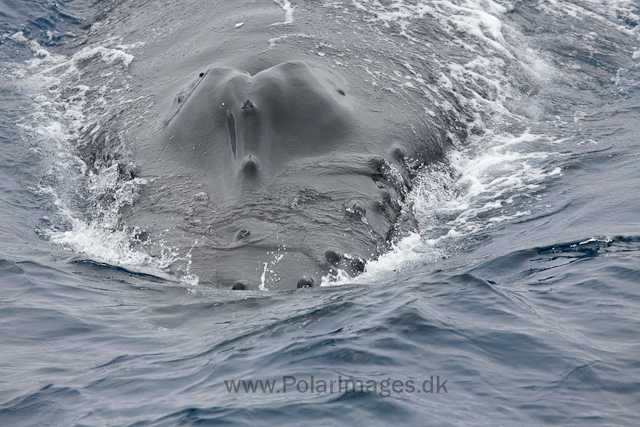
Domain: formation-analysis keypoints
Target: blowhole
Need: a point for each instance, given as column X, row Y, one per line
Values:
column 231, row 125
column 341, row 92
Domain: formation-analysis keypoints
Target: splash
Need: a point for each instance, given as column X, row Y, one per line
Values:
column 75, row 98
column 288, row 12
column 490, row 182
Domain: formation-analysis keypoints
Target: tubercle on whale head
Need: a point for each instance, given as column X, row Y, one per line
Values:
column 250, row 164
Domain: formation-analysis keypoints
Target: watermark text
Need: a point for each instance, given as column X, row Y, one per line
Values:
column 292, row 384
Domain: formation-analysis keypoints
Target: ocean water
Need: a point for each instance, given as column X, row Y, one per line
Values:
column 516, row 302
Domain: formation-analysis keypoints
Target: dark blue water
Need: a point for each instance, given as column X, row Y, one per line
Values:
column 522, row 291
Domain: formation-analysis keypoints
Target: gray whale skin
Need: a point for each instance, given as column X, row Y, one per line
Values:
column 295, row 172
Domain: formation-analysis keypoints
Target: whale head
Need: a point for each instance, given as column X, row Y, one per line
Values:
column 302, row 174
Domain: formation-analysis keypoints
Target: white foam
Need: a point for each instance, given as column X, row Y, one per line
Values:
column 263, row 286
column 288, row 12
column 274, row 41
column 18, row 37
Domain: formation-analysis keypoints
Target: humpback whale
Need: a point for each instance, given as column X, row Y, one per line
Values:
column 271, row 168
